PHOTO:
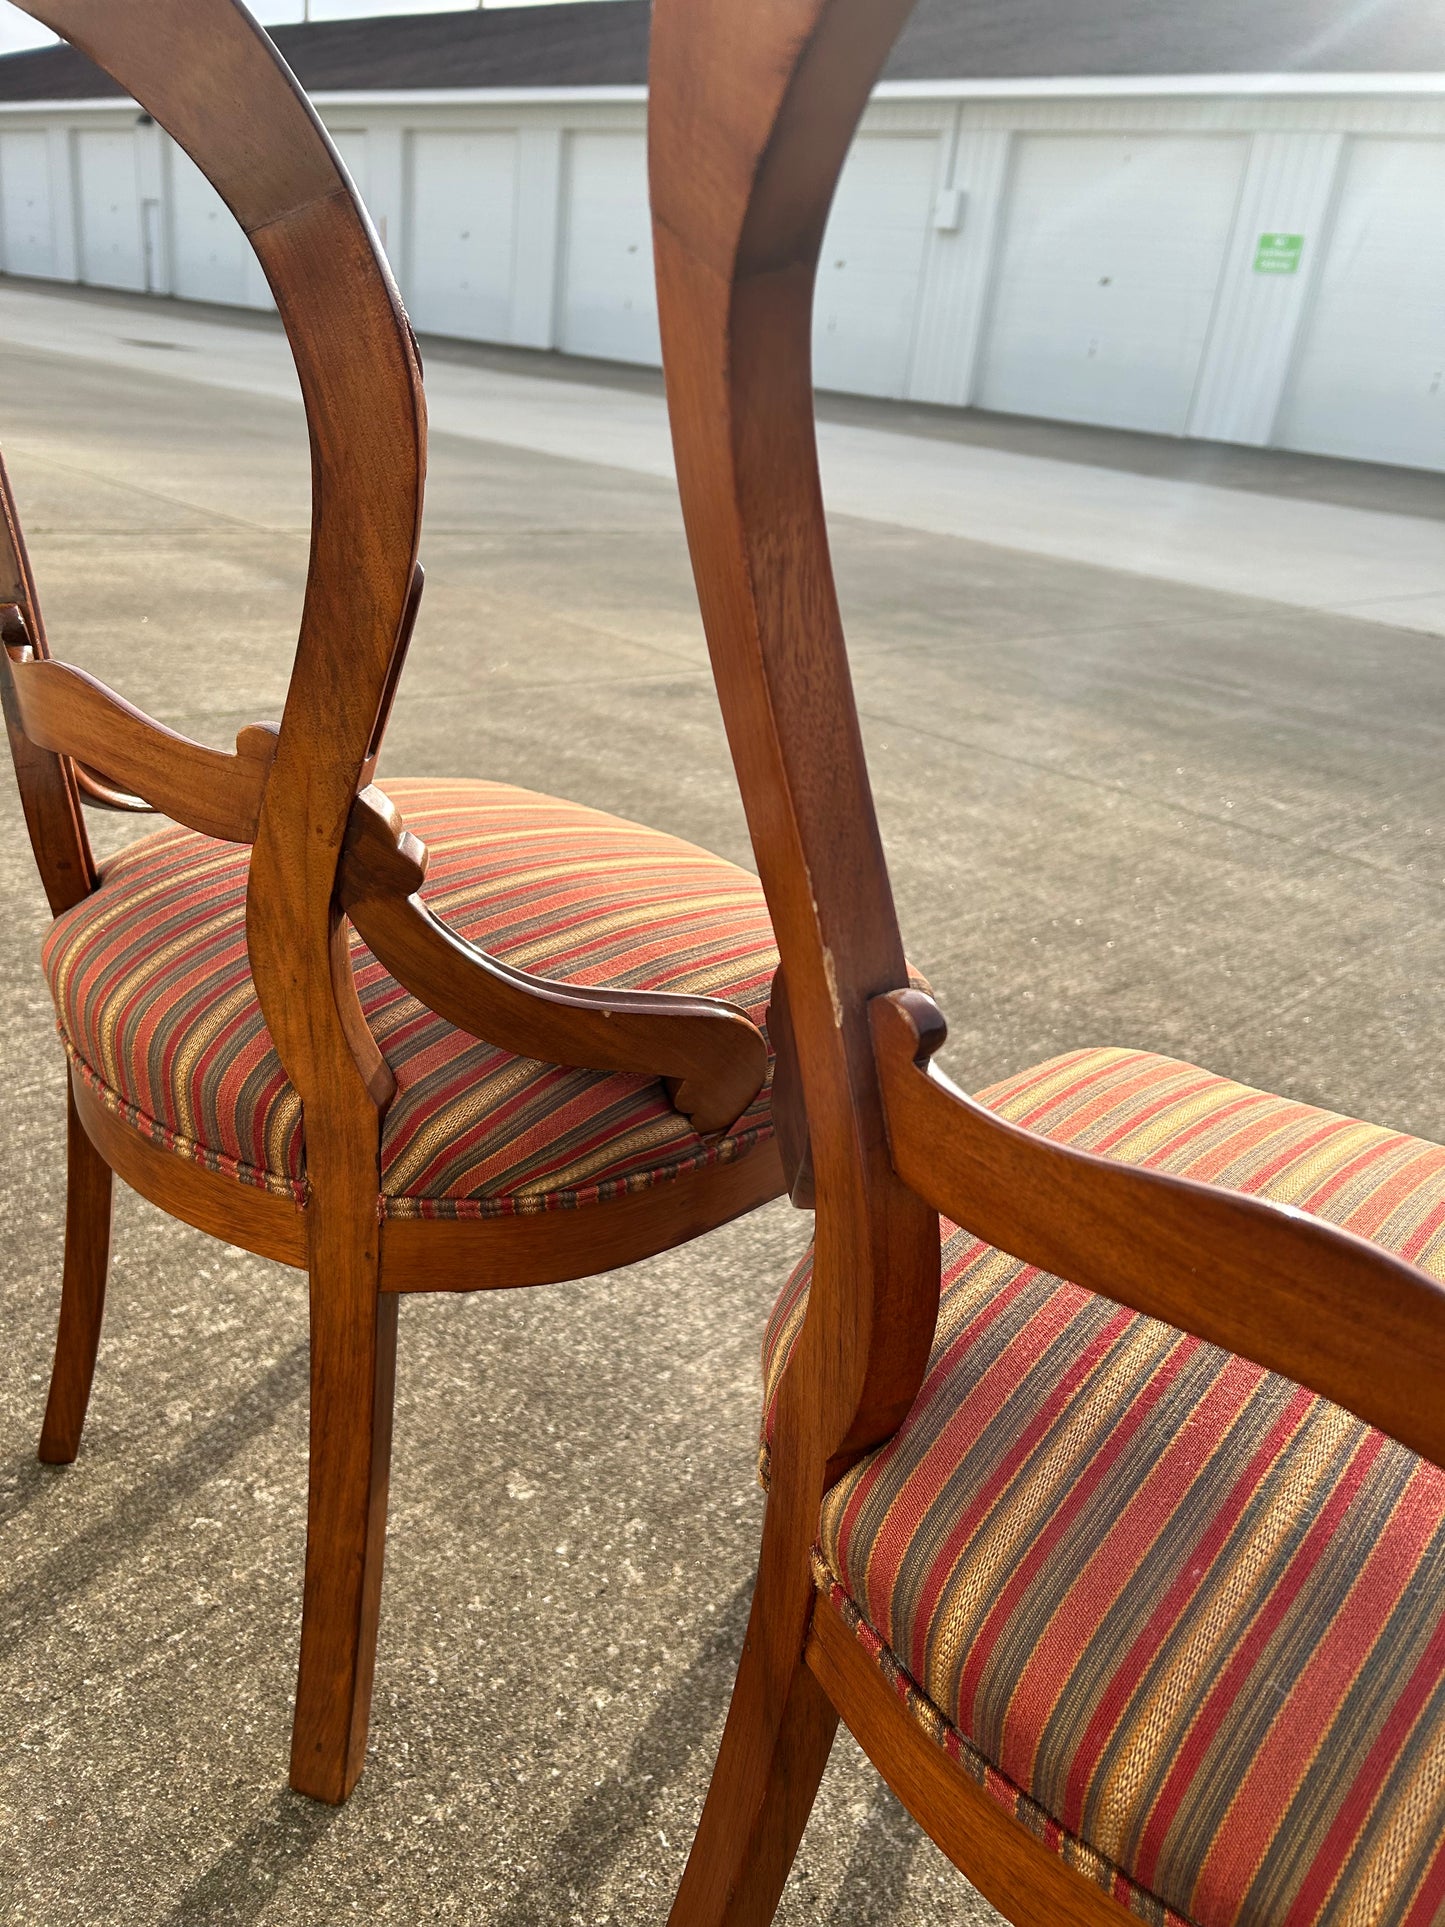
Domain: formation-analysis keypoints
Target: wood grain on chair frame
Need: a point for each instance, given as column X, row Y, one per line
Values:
column 753, row 105
column 324, row 844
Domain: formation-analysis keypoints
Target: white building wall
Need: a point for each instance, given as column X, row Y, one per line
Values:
column 1107, row 275
column 920, row 288
column 540, row 151
column 607, row 298
column 151, row 146
column 385, row 189
column 959, row 265
column 1288, row 187
column 871, row 270
column 460, row 266
column 64, row 200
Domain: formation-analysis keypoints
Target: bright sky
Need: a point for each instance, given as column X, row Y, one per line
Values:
column 19, row 30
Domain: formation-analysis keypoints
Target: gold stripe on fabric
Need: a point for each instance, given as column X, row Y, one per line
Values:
column 702, row 982
column 542, row 824
column 1048, row 1082
column 100, row 920
column 995, row 1547
column 205, row 1026
column 282, row 1125
column 657, row 1136
column 147, row 972
column 447, row 1126
column 1182, row 1115
column 1298, row 1180
column 629, row 918
column 1407, row 1829
column 1198, row 1653
column 622, row 846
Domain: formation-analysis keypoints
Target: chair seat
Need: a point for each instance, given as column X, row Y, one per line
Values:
column 1184, row 1620
column 159, row 1015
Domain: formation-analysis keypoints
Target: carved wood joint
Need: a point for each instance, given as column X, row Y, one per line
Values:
column 711, row 1055
column 908, row 1028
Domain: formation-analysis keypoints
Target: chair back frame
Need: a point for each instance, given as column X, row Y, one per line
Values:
column 327, row 851
column 209, row 75
column 753, row 105
column 738, row 222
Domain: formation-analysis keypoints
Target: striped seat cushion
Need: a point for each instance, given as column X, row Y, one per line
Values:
column 158, row 1012
column 1185, row 1621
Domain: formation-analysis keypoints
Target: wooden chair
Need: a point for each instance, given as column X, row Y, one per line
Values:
column 419, row 1114
column 1132, row 1623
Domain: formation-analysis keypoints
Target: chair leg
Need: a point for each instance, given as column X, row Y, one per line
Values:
column 774, row 1748
column 88, row 1205
column 353, row 1373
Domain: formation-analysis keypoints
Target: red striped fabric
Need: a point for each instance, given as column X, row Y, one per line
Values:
column 158, row 1013
column 1184, row 1620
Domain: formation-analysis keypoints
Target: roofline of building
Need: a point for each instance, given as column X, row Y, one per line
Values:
column 1135, row 86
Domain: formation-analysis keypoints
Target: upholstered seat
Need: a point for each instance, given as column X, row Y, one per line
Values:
column 1181, row 1618
column 159, row 1015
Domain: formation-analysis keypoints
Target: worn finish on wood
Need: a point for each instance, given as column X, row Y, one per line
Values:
column 207, row 74
column 752, row 107
column 88, row 1210
column 713, row 1054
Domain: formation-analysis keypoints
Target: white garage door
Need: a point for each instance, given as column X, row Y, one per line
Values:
column 26, row 226
column 211, row 259
column 463, row 231
column 871, row 267
column 112, row 251
column 1369, row 381
column 350, row 144
column 1110, row 263
column 609, row 302
column 209, row 253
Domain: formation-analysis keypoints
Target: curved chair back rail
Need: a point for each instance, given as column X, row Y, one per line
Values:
column 753, row 105
column 738, row 221
column 741, row 187
column 208, row 74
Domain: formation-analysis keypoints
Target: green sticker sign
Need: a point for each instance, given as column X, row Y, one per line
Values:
column 1279, row 253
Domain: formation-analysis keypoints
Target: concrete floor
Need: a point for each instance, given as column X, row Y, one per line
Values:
column 1120, row 809
column 1332, row 537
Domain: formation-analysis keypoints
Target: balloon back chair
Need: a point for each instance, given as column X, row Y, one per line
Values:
column 1105, row 1510
column 270, row 1033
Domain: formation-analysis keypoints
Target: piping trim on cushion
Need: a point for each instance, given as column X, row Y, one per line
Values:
column 725, row 1150
column 161, row 1134
column 536, row 1204
column 1019, row 1806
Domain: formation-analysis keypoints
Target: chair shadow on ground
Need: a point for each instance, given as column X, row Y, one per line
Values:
column 238, row 1888
column 30, row 1605
column 611, row 1816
